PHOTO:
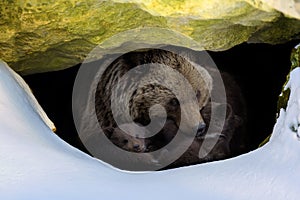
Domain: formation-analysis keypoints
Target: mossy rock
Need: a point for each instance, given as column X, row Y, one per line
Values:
column 285, row 94
column 40, row 36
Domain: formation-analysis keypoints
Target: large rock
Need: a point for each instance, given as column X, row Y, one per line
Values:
column 39, row 36
column 288, row 7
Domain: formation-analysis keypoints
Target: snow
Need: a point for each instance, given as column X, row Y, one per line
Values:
column 36, row 164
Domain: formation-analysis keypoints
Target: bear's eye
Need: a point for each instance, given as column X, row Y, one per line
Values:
column 198, row 94
column 174, row 102
column 125, row 141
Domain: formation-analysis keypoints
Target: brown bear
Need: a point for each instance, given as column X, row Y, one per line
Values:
column 229, row 140
column 221, row 149
column 147, row 95
column 238, row 114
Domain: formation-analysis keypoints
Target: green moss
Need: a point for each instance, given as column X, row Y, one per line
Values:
column 295, row 57
column 265, row 141
column 282, row 30
column 31, row 30
column 283, row 99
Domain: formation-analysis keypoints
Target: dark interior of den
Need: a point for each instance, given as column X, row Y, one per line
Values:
column 259, row 70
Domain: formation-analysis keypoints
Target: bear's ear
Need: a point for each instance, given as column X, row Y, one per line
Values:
column 108, row 131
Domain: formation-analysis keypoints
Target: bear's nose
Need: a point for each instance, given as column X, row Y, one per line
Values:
column 201, row 129
column 136, row 146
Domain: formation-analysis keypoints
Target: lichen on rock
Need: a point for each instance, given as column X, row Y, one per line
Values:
column 295, row 57
column 284, row 96
column 40, row 36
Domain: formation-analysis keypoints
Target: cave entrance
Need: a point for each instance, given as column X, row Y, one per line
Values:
column 259, row 69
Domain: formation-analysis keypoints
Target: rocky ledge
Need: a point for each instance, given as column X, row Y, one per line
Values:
column 40, row 36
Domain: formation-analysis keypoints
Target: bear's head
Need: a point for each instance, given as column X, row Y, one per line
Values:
column 185, row 113
column 148, row 85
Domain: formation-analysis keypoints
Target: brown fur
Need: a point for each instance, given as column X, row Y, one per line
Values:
column 124, row 140
column 230, row 140
column 221, row 149
column 225, row 147
column 151, row 94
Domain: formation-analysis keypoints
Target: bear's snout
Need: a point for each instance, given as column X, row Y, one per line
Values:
column 201, row 129
column 137, row 147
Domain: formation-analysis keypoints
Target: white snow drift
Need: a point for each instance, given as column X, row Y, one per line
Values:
column 36, row 164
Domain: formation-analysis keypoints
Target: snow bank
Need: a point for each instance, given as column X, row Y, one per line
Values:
column 36, row 164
